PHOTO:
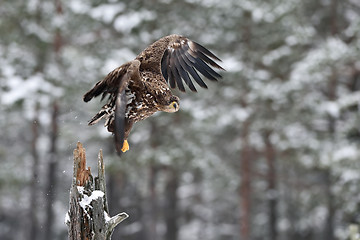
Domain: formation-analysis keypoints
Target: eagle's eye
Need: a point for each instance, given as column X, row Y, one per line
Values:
column 174, row 105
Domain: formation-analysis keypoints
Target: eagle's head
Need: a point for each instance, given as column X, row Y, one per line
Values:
column 172, row 105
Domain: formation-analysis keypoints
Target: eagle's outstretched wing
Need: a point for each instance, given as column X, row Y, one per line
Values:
column 115, row 84
column 183, row 58
column 109, row 85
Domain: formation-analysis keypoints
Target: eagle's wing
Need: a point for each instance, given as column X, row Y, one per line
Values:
column 115, row 84
column 184, row 58
column 109, row 85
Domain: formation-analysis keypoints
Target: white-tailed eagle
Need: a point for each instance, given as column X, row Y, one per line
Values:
column 139, row 88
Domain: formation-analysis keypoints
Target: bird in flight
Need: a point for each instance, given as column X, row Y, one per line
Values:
column 139, row 88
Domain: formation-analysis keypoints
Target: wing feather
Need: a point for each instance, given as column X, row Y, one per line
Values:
column 164, row 65
column 182, row 70
column 208, row 60
column 171, row 78
column 192, row 71
column 204, row 69
column 196, row 47
column 171, row 74
column 108, row 85
column 174, row 69
column 184, row 58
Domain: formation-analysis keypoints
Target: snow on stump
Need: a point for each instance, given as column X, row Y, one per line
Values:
column 88, row 217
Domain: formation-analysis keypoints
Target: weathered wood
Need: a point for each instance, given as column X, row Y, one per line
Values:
column 88, row 216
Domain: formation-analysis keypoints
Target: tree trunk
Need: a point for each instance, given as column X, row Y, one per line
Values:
column 245, row 154
column 171, row 207
column 88, row 216
column 51, row 174
column 35, row 178
column 151, row 213
column 329, row 224
column 245, row 185
column 332, row 96
column 52, row 165
column 271, row 179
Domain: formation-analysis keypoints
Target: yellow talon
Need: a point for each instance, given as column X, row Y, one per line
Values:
column 125, row 146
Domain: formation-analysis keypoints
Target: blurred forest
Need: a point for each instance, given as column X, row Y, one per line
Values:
column 272, row 151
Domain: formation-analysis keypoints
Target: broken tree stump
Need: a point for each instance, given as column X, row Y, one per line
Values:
column 88, row 216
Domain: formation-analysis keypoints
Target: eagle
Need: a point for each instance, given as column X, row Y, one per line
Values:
column 141, row 87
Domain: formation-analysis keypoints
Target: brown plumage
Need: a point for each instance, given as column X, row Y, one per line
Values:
column 139, row 88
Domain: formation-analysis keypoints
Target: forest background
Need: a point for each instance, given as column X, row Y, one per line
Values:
column 272, row 151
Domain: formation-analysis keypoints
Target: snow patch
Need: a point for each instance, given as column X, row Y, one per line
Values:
column 346, row 152
column 107, row 217
column 331, row 108
column 27, row 88
column 314, row 67
column 107, row 12
column 86, row 201
column 231, row 64
column 67, row 218
column 78, row 6
column 350, row 175
column 276, row 54
column 126, row 22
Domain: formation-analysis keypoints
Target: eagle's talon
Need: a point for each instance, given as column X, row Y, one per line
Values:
column 125, row 146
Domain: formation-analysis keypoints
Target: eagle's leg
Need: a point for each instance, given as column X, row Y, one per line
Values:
column 125, row 146
column 128, row 127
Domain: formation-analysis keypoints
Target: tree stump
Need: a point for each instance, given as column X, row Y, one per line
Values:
column 88, row 217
